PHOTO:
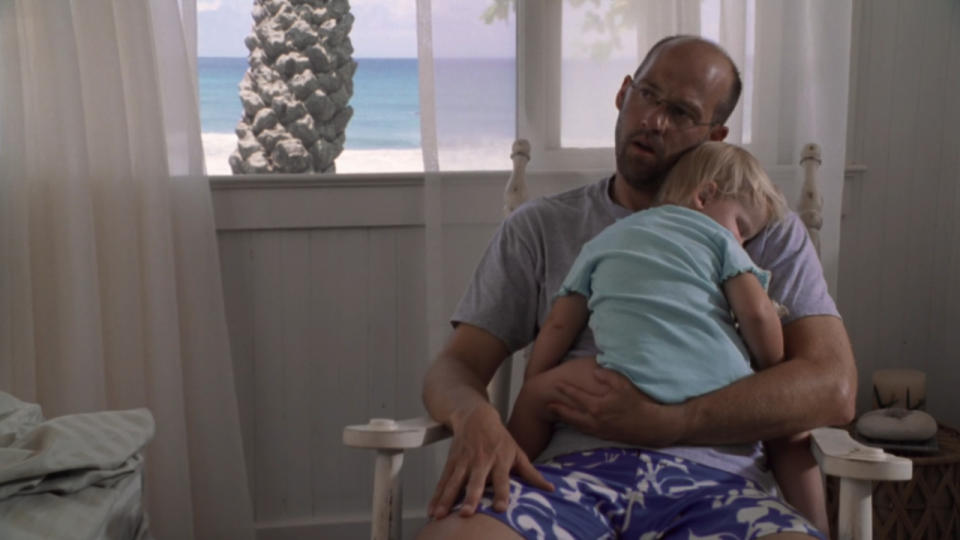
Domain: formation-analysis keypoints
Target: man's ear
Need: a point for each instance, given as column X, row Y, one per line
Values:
column 622, row 93
column 719, row 133
column 706, row 193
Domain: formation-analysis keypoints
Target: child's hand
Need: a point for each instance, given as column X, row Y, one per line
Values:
column 781, row 309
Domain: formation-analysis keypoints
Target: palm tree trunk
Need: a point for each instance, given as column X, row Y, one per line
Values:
column 295, row 93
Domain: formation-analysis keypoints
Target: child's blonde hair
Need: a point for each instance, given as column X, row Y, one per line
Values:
column 736, row 173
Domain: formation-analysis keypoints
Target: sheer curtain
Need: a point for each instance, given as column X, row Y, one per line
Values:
column 467, row 91
column 793, row 55
column 467, row 126
column 794, row 61
column 110, row 293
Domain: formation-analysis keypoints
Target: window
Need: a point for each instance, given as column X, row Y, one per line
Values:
column 599, row 47
column 474, row 83
column 600, row 42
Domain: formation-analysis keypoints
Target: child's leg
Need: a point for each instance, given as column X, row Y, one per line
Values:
column 799, row 477
column 531, row 423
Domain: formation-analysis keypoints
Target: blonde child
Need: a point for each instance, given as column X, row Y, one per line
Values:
column 658, row 288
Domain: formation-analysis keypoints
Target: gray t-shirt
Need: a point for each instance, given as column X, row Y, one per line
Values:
column 532, row 251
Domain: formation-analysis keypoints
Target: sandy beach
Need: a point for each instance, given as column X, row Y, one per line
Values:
column 492, row 156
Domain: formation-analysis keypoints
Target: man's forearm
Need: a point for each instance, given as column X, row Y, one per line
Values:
column 482, row 451
column 815, row 386
column 450, row 391
column 456, row 382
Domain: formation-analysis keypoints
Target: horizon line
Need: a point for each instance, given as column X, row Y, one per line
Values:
column 393, row 57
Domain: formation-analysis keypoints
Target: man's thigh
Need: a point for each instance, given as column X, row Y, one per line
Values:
column 612, row 493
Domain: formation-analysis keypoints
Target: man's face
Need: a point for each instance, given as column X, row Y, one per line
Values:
column 686, row 79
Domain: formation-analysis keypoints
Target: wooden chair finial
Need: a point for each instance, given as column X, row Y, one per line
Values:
column 515, row 193
column 810, row 207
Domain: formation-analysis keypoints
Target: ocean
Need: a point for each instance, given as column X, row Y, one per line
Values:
column 476, row 101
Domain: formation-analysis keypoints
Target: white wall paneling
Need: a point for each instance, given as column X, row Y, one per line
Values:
column 324, row 286
column 900, row 241
column 326, row 327
column 325, row 290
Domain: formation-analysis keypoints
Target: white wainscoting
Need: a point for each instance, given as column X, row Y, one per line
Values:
column 325, row 290
column 325, row 329
column 325, row 297
column 899, row 283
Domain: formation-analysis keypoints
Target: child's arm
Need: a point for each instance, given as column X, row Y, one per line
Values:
column 759, row 324
column 792, row 462
column 564, row 322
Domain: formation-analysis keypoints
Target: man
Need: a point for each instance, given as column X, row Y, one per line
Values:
column 705, row 475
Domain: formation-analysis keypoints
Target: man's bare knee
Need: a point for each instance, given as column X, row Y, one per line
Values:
column 476, row 527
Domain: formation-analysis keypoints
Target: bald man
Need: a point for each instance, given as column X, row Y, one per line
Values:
column 621, row 464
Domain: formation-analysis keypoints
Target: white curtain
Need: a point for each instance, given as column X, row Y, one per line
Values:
column 794, row 58
column 794, row 61
column 467, row 124
column 110, row 293
column 793, row 55
column 432, row 185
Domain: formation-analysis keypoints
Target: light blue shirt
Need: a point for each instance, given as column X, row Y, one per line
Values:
column 657, row 309
column 533, row 250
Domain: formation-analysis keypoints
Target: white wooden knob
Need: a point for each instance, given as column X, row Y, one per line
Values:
column 382, row 424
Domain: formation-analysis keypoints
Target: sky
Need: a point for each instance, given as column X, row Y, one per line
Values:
column 383, row 29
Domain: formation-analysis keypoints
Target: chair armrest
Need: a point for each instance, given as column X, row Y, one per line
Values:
column 383, row 433
column 840, row 455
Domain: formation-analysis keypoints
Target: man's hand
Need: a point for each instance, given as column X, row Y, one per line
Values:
column 482, row 451
column 815, row 386
column 611, row 407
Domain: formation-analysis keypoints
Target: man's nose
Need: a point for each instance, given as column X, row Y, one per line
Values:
column 654, row 118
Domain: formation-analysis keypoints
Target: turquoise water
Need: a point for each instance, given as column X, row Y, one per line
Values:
column 475, row 103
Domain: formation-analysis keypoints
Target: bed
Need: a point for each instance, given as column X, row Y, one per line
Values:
column 76, row 477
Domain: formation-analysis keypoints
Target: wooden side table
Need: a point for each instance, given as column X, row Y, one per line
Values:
column 927, row 507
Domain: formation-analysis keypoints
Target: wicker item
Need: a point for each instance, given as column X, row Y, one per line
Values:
column 926, row 507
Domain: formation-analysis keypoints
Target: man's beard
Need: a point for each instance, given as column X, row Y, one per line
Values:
column 641, row 174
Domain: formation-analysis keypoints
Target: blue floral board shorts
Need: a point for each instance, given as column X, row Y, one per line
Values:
column 641, row 494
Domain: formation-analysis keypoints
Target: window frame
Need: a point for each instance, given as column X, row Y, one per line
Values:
column 539, row 92
column 538, row 101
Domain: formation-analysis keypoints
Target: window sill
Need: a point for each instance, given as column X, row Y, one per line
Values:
column 315, row 181
column 285, row 201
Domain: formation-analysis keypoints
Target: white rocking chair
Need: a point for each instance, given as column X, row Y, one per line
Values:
column 857, row 466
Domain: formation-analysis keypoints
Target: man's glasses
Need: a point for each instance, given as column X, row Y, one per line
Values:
column 677, row 115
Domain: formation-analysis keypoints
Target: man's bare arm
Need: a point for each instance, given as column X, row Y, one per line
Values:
column 454, row 393
column 815, row 386
column 456, row 381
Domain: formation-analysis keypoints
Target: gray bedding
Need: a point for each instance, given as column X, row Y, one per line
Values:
column 73, row 477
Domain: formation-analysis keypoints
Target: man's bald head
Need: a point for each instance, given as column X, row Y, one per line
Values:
column 726, row 105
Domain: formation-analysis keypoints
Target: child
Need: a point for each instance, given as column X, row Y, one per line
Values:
column 658, row 287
